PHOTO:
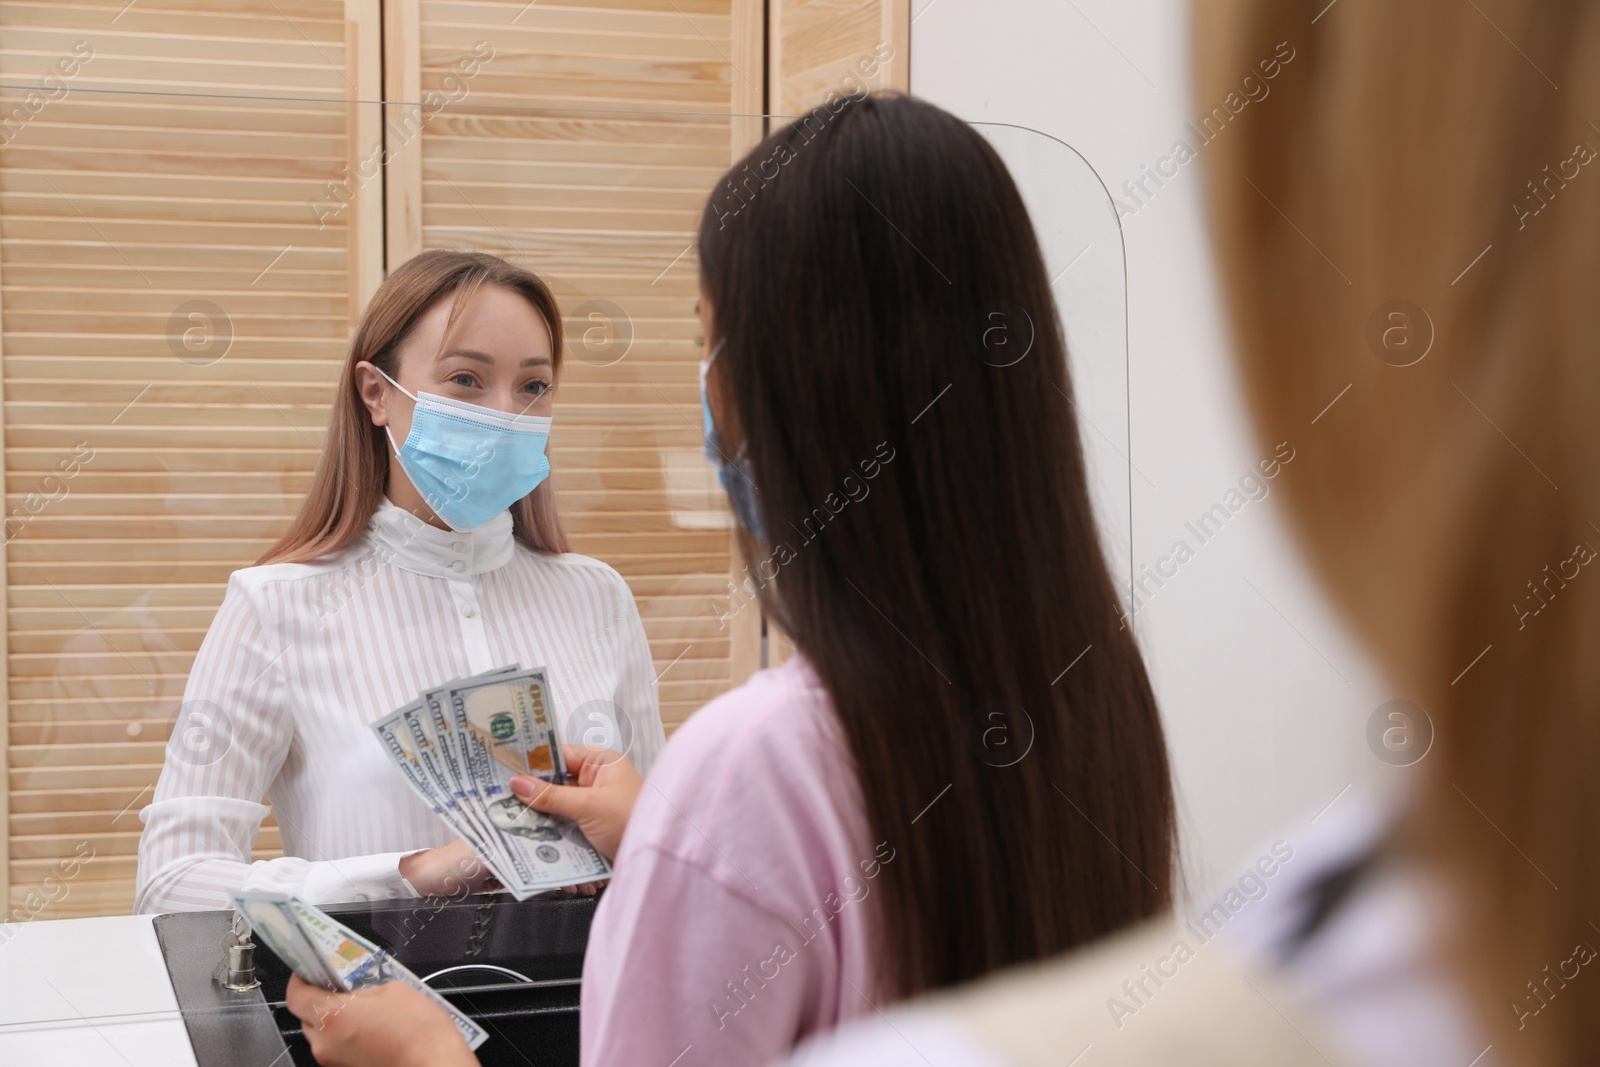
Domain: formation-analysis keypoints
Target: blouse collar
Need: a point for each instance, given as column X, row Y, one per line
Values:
column 416, row 546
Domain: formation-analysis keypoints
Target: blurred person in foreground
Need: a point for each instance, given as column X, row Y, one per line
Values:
column 1438, row 154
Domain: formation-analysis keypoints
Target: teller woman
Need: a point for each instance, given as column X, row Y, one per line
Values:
column 427, row 549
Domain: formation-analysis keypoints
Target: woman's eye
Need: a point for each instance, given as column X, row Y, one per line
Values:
column 463, row 379
column 538, row 387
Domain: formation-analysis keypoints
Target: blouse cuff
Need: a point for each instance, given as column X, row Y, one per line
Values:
column 358, row 878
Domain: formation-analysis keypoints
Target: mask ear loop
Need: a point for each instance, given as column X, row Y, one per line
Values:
column 396, row 384
column 386, row 430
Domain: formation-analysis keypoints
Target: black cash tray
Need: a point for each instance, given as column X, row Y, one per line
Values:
column 513, row 966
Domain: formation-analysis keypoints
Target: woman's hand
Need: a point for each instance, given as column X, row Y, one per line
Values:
column 608, row 785
column 390, row 1024
column 452, row 871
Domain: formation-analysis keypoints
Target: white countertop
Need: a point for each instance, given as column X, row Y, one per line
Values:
column 88, row 991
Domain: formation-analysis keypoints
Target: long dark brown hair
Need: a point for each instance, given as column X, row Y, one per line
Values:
column 858, row 264
column 350, row 478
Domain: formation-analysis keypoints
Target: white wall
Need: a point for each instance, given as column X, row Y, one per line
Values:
column 1265, row 697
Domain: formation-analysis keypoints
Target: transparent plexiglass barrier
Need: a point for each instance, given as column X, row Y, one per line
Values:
column 1080, row 235
column 181, row 273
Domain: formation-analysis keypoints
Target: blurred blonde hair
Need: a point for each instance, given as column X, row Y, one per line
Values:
column 1403, row 157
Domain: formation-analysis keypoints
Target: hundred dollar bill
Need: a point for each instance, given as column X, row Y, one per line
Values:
column 351, row 961
column 519, row 874
column 446, row 732
column 398, row 742
column 438, row 756
column 358, row 963
column 507, row 727
column 468, row 789
column 402, row 749
column 441, row 729
column 281, row 932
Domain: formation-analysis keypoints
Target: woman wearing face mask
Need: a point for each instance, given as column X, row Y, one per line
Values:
column 962, row 766
column 428, row 549
column 1450, row 504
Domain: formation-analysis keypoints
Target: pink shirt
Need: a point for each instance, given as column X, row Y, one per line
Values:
column 736, row 923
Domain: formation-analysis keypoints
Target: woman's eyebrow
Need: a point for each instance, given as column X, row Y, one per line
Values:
column 484, row 357
column 468, row 353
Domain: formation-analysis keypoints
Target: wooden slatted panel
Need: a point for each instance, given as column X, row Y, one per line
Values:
column 119, row 208
column 584, row 147
column 820, row 46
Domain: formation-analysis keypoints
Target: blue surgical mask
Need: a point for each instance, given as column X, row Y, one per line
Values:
column 734, row 474
column 470, row 462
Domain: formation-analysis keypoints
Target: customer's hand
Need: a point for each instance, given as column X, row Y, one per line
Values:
column 452, row 871
column 391, row 1025
column 608, row 785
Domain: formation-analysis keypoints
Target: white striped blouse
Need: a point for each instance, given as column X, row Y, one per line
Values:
column 302, row 658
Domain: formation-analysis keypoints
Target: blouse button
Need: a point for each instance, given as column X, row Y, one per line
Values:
column 459, row 546
column 458, row 566
column 468, row 611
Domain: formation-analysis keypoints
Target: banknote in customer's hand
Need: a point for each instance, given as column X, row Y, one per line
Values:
column 328, row 954
column 507, row 727
column 281, row 931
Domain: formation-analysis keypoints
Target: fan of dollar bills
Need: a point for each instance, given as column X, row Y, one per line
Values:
column 460, row 745
column 327, row 953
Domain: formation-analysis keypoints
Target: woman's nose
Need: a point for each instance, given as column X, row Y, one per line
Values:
column 512, row 403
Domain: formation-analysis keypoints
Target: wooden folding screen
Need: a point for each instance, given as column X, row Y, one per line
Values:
column 196, row 200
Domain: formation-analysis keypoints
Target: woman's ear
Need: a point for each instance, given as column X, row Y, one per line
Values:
column 369, row 386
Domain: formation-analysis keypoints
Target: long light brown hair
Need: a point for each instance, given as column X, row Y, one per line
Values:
column 958, row 607
column 350, row 478
column 1442, row 154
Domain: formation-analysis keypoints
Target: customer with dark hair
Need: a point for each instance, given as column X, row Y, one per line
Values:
column 924, row 793
column 1434, row 150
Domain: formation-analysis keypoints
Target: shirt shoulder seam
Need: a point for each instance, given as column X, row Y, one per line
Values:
column 255, row 575
column 568, row 559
